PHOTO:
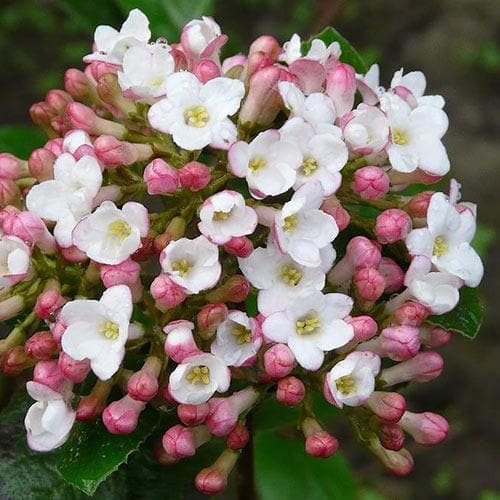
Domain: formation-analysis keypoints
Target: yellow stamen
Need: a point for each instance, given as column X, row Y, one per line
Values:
column 109, row 329
column 400, row 137
column 307, row 325
column 242, row 334
column 346, row 384
column 157, row 81
column 309, row 166
column 290, row 223
column 221, row 215
column 290, row 275
column 196, row 116
column 440, row 247
column 181, row 266
column 119, row 229
column 257, row 163
column 199, row 375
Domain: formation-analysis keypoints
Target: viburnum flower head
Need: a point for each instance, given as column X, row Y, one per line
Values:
column 68, row 197
column 237, row 340
column 311, row 325
column 225, row 215
column 111, row 235
column 268, row 164
column 98, row 330
column 197, row 378
column 301, row 229
column 14, row 260
column 446, row 240
column 197, row 114
column 279, row 278
column 49, row 421
column 192, row 264
column 111, row 45
column 352, row 381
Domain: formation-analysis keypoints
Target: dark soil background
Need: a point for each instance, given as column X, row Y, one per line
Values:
column 457, row 44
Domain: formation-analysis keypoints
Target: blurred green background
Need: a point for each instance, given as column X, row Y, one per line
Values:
column 457, row 44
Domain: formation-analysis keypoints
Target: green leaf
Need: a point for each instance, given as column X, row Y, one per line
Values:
column 283, row 470
column 483, row 240
column 20, row 140
column 466, row 318
column 92, row 453
column 167, row 17
column 349, row 54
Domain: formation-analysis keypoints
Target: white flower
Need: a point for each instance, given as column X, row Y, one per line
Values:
column 196, row 114
column 352, row 380
column 366, row 130
column 98, row 330
column 323, row 154
column 368, row 85
column 416, row 136
column 311, row 325
column 301, row 229
column 199, row 36
column 238, row 339
column 197, row 378
column 268, row 164
column 446, row 240
column 317, row 108
column 318, row 51
column 49, row 421
column 68, row 197
column 111, row 235
column 111, row 45
column 225, row 215
column 415, row 82
column 74, row 139
column 279, row 278
column 192, row 264
column 14, row 261
column 145, row 70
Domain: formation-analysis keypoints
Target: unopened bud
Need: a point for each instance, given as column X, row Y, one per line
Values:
column 84, row 118
column 41, row 345
column 213, row 479
column 319, row 443
column 160, row 177
column 193, row 414
column 392, row 225
column 121, row 417
column 370, row 183
column 279, row 361
column 143, row 385
column 388, row 406
column 238, row 437
column 73, row 370
column 426, row 428
column 290, row 391
column 235, row 289
column 194, row 176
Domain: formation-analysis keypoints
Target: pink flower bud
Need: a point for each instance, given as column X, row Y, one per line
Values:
column 399, row 342
column 48, row 303
column 112, row 152
column 121, row 417
column 363, row 252
column 206, row 70
column 411, row 313
column 11, row 167
column 419, row 203
column 77, row 84
column 9, row 191
column 279, row 361
column 49, row 374
column 370, row 182
column 365, row 327
column 393, row 275
column 41, row 114
column 400, row 463
column 126, row 273
column 73, row 254
column 166, row 293
column 423, row 367
column 16, row 361
column 333, row 207
column 41, row 164
column 266, row 44
column 193, row 414
column 55, row 146
column 369, row 284
column 160, row 177
column 238, row 437
column 180, row 342
column 341, row 87
column 388, row 406
column 255, row 62
column 392, row 225
column 319, row 443
column 213, row 479
column 210, row 317
column 84, row 118
column 179, row 442
column 235, row 289
column 97, row 69
column 91, row 406
column 194, row 176
column 75, row 371
column 391, row 436
column 240, row 246
column 434, row 337
column 58, row 100
column 425, row 428
column 143, row 385
column 290, row 391
column 41, row 346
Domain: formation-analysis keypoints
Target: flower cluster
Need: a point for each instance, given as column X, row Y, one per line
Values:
column 241, row 227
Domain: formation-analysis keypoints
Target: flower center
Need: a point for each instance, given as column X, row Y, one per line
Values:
column 242, row 334
column 257, row 163
column 196, row 116
column 109, row 330
column 440, row 247
column 307, row 325
column 290, row 223
column 119, row 229
column 181, row 266
column 346, row 385
column 309, row 166
column 290, row 275
column 199, row 375
column 221, row 215
column 156, row 81
column 400, row 137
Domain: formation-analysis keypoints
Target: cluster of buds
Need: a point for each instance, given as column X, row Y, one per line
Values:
column 187, row 209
